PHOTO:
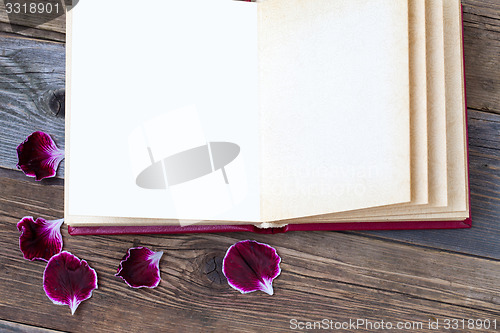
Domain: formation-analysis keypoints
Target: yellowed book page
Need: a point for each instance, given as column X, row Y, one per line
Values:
column 438, row 194
column 418, row 114
column 200, row 76
column 334, row 106
column 418, row 103
column 455, row 107
column 456, row 137
column 436, row 126
column 450, row 216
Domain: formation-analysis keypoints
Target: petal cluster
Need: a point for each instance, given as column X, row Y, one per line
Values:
column 40, row 239
column 250, row 266
column 67, row 280
column 38, row 156
column 140, row 267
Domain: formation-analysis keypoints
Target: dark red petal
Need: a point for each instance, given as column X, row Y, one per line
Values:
column 250, row 266
column 67, row 280
column 40, row 239
column 140, row 267
column 38, row 156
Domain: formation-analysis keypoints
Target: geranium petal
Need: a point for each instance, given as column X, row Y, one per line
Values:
column 250, row 266
column 40, row 239
column 67, row 280
column 38, row 156
column 140, row 267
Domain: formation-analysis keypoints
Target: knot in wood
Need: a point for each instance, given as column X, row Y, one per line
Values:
column 213, row 269
column 54, row 101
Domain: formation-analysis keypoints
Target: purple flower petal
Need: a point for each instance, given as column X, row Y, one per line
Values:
column 140, row 267
column 67, row 280
column 250, row 266
column 40, row 239
column 38, row 156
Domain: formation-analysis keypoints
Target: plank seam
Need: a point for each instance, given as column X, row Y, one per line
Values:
column 397, row 241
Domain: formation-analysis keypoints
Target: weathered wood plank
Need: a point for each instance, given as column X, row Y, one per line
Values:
column 10, row 327
column 324, row 275
column 482, row 62
column 52, row 30
column 31, row 72
column 482, row 49
column 484, row 129
column 33, row 33
column 483, row 8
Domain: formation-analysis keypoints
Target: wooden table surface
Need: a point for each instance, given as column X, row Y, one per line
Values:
column 394, row 276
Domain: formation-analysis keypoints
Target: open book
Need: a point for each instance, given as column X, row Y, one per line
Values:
column 199, row 115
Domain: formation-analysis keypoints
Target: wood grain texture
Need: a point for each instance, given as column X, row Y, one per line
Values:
column 352, row 277
column 481, row 48
column 10, row 327
column 31, row 74
column 482, row 64
column 53, row 30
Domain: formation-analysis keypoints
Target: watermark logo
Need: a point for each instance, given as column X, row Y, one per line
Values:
column 171, row 157
column 24, row 14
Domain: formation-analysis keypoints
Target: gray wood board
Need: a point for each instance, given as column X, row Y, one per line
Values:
column 31, row 72
column 28, row 25
column 10, row 327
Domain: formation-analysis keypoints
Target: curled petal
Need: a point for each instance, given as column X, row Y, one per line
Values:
column 250, row 266
column 140, row 267
column 38, row 156
column 67, row 280
column 40, row 239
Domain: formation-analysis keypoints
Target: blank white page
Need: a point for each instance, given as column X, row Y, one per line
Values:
column 151, row 80
column 334, row 106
